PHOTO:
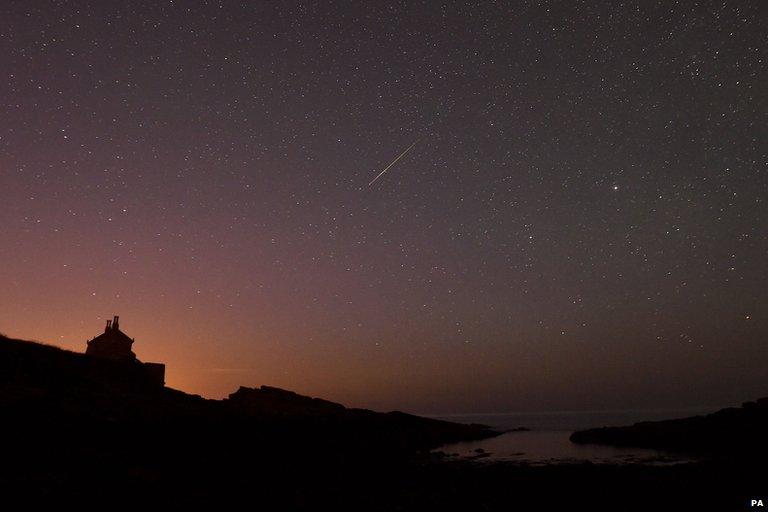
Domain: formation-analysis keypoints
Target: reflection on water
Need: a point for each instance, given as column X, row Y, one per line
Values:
column 546, row 447
column 548, row 441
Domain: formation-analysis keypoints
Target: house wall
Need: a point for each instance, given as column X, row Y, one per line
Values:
column 156, row 372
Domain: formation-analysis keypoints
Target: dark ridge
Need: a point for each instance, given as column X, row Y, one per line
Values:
column 89, row 432
column 79, row 426
column 735, row 432
column 42, row 381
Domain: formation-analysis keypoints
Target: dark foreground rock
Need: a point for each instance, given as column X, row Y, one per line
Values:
column 41, row 384
column 734, row 432
column 80, row 432
column 75, row 426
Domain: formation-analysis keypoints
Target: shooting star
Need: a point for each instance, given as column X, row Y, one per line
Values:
column 392, row 163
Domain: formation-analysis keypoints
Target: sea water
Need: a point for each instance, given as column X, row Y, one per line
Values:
column 547, row 441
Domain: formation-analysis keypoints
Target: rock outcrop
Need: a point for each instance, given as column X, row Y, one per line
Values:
column 276, row 401
column 41, row 385
column 737, row 432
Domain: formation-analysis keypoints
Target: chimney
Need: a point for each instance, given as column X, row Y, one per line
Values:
column 114, row 322
column 109, row 323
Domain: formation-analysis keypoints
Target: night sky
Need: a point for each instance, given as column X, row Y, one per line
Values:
column 581, row 223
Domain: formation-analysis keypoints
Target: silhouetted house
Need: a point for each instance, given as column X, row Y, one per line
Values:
column 116, row 345
column 112, row 344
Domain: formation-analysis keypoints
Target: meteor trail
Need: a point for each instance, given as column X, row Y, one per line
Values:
column 392, row 163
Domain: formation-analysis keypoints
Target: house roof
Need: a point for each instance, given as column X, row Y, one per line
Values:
column 113, row 335
column 112, row 343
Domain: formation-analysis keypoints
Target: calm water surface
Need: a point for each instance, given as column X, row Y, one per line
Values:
column 548, row 443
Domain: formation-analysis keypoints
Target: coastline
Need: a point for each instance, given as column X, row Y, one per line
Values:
column 85, row 433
